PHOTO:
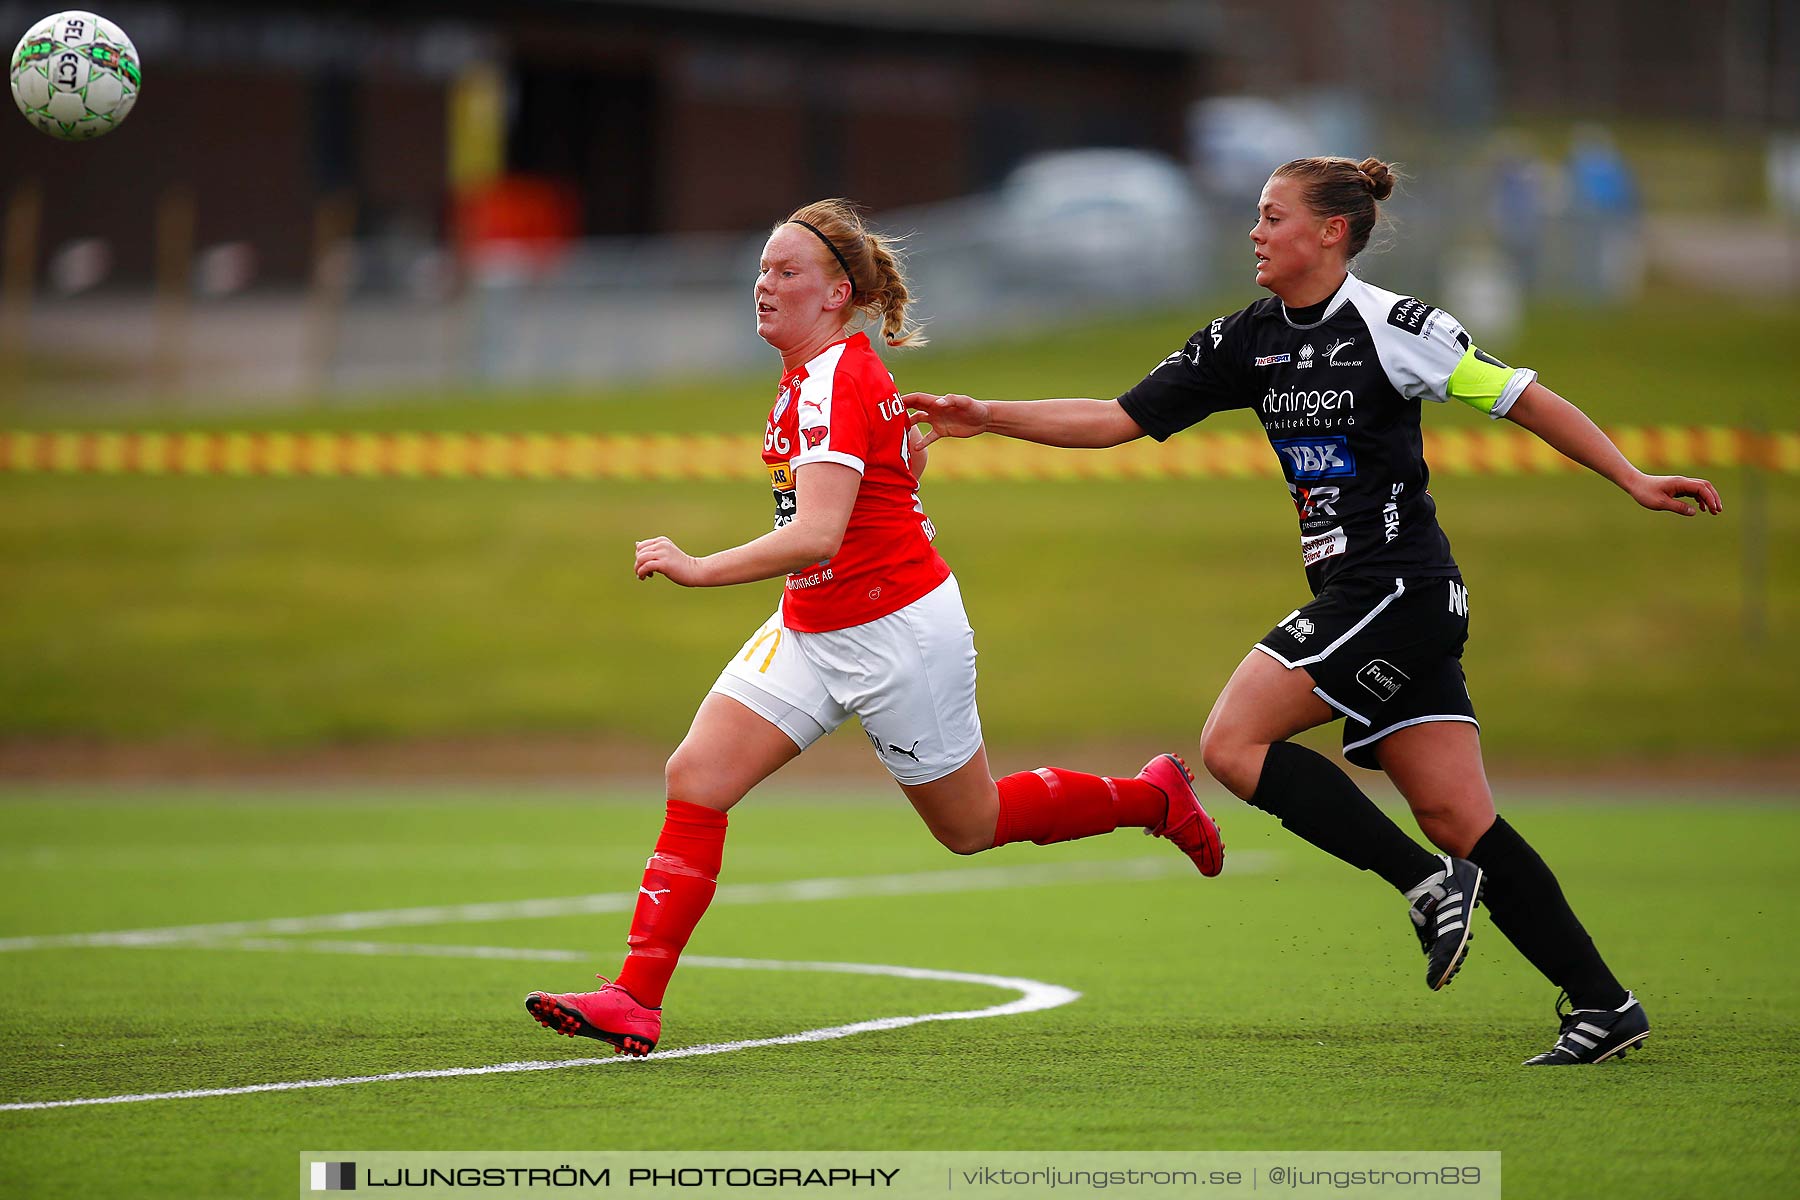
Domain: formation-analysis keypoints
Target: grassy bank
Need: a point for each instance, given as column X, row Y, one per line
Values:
column 296, row 612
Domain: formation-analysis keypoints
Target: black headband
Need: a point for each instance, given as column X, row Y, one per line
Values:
column 829, row 245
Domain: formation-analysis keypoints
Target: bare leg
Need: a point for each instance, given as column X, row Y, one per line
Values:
column 729, row 749
column 1245, row 747
column 1437, row 767
column 962, row 808
column 1263, row 703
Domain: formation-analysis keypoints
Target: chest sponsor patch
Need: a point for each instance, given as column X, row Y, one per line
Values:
column 1322, row 546
column 1382, row 679
column 1319, row 500
column 1269, row 360
column 1410, row 315
column 1317, row 457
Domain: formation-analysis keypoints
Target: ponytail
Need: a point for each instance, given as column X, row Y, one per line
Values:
column 872, row 263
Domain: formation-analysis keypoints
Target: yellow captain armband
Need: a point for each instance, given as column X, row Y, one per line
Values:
column 1486, row 384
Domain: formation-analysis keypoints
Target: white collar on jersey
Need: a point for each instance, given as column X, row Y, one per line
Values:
column 1331, row 306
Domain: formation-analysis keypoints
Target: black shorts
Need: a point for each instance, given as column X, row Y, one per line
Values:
column 1385, row 653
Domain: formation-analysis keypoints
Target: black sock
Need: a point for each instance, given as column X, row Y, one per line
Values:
column 1526, row 904
column 1315, row 799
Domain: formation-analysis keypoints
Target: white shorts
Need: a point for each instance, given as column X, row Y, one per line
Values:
column 909, row 677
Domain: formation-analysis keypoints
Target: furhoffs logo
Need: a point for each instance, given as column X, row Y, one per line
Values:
column 1382, row 678
column 334, row 1177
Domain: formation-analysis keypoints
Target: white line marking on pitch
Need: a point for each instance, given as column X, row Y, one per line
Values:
column 917, row 884
column 386, row 949
column 1034, row 996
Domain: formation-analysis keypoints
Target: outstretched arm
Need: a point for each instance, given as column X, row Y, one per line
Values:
column 1080, row 423
column 827, row 493
column 1570, row 431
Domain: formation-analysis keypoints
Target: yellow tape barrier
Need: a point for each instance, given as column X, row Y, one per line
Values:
column 667, row 457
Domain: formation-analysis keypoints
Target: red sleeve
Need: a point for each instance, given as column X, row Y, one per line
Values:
column 832, row 418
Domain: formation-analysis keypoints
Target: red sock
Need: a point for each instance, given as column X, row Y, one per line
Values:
column 1053, row 805
column 679, row 882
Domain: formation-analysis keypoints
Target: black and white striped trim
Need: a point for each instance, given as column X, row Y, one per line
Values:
column 1450, row 914
column 1343, row 708
column 1584, row 1035
column 1399, row 591
column 1338, row 299
column 1383, row 732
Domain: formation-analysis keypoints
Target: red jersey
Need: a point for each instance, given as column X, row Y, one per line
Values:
column 842, row 407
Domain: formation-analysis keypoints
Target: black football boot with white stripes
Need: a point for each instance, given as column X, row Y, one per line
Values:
column 1443, row 912
column 1593, row 1035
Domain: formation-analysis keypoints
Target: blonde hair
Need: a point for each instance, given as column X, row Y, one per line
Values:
column 872, row 261
column 1343, row 187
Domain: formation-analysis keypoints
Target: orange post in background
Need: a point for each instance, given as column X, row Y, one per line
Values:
column 477, row 127
column 333, row 224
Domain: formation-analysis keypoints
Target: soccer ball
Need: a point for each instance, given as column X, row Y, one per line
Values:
column 75, row 75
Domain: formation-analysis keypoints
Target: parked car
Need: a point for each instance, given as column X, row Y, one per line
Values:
column 1111, row 221
column 1235, row 141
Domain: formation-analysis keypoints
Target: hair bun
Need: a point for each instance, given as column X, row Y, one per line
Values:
column 1378, row 177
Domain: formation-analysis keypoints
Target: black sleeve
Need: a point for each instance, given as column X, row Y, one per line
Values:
column 1198, row 380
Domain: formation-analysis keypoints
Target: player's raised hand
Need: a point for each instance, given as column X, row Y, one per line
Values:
column 947, row 416
column 660, row 556
column 1670, row 493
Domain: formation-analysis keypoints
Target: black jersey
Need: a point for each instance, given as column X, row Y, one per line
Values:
column 1340, row 401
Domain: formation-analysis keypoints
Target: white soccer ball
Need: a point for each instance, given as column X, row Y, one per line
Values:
column 75, row 75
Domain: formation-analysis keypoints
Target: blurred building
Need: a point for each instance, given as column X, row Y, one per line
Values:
column 553, row 188
column 1472, row 61
column 669, row 116
column 655, row 117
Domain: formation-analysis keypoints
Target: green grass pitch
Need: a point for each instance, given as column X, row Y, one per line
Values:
column 1280, row 1006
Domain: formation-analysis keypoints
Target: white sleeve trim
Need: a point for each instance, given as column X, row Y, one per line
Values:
column 831, row 456
column 1515, row 387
